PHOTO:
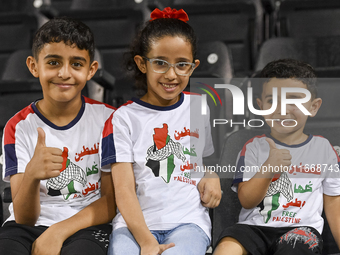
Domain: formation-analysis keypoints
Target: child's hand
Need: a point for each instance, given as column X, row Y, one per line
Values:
column 46, row 161
column 155, row 248
column 210, row 190
column 277, row 157
column 49, row 242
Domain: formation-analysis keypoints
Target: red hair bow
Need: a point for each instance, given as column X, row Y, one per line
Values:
column 170, row 14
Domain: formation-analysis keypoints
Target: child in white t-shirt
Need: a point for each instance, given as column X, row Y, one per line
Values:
column 298, row 175
column 154, row 145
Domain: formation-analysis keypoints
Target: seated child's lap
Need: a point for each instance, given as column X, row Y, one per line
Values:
column 259, row 240
column 18, row 239
column 195, row 242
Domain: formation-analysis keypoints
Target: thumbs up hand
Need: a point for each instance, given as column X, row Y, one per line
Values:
column 277, row 157
column 46, row 161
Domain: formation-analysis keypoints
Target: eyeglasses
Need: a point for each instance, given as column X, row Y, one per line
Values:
column 162, row 66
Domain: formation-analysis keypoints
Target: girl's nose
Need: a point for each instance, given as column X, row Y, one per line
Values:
column 171, row 74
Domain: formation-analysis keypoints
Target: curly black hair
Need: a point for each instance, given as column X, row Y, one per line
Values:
column 291, row 68
column 67, row 30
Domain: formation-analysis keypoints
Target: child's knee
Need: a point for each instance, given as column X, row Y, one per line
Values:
column 83, row 247
column 229, row 245
column 122, row 242
column 13, row 247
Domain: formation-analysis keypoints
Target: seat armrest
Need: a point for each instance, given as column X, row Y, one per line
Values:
column 7, row 195
column 104, row 79
column 48, row 11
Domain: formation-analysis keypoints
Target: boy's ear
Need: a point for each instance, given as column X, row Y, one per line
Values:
column 140, row 63
column 259, row 103
column 32, row 66
column 93, row 69
column 314, row 108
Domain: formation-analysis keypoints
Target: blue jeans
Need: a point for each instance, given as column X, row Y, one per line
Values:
column 189, row 239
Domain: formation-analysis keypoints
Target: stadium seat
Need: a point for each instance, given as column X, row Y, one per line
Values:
column 215, row 61
column 319, row 52
column 57, row 5
column 226, row 214
column 16, row 68
column 124, row 86
column 105, row 4
column 90, row 4
column 215, row 68
column 308, row 18
column 17, row 30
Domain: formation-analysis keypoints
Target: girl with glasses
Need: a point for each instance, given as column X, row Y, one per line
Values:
column 154, row 148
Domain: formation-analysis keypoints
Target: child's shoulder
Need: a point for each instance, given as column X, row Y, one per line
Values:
column 320, row 139
column 97, row 110
column 129, row 106
column 127, row 112
column 258, row 139
column 254, row 142
column 323, row 144
column 314, row 144
column 319, row 143
column 97, row 103
column 12, row 125
column 192, row 94
column 20, row 116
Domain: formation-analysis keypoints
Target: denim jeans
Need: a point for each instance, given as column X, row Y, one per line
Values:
column 189, row 239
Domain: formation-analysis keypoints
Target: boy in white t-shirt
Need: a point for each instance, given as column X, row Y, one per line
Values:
column 62, row 203
column 297, row 175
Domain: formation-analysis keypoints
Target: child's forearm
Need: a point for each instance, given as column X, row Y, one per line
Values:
column 99, row 212
column 26, row 199
column 332, row 208
column 252, row 192
column 130, row 209
column 128, row 204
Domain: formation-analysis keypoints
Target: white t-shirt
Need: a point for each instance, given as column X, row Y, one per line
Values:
column 164, row 144
column 294, row 198
column 78, row 184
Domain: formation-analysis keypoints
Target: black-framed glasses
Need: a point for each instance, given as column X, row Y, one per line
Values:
column 162, row 66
